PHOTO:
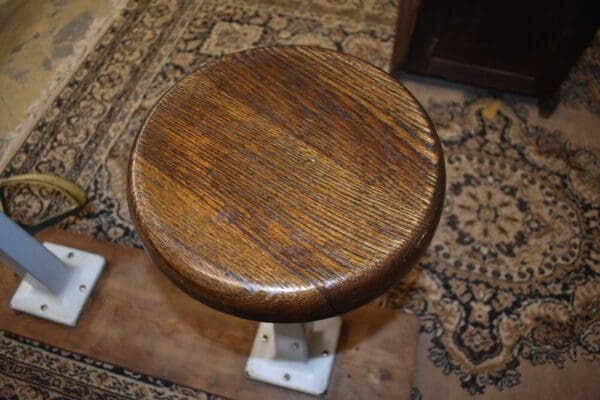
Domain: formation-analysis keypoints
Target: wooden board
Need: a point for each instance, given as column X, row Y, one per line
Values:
column 138, row 319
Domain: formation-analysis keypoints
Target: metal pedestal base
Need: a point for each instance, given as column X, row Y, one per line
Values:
column 295, row 356
column 66, row 306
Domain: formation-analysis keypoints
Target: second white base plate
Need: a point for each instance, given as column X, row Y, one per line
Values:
column 311, row 376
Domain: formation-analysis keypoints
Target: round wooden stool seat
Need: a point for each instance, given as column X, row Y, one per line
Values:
column 286, row 184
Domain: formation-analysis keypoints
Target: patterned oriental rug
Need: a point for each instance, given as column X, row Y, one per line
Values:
column 510, row 285
column 31, row 370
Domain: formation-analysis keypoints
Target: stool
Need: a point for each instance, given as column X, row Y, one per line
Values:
column 287, row 185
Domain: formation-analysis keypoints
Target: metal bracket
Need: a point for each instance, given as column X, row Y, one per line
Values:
column 295, row 356
column 58, row 280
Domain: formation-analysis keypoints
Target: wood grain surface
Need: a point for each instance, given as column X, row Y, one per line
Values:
column 286, row 184
column 137, row 319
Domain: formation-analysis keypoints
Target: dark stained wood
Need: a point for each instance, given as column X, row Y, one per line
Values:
column 526, row 47
column 408, row 11
column 138, row 319
column 286, row 184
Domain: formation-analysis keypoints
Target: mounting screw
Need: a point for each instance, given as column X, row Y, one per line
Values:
column 325, row 353
column 82, row 288
column 286, row 376
column 70, row 255
column 43, row 307
column 264, row 337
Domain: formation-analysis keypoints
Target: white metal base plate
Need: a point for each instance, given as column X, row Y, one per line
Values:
column 33, row 298
column 311, row 376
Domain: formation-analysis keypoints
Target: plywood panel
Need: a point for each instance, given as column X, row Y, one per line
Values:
column 138, row 319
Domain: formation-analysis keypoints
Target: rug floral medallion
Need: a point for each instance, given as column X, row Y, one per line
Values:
column 513, row 272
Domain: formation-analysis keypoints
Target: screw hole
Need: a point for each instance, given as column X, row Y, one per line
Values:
column 325, row 353
column 295, row 346
column 264, row 337
column 70, row 255
column 43, row 307
column 286, row 376
column 82, row 288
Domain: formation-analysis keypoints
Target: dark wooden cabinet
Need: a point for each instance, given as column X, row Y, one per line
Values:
column 526, row 47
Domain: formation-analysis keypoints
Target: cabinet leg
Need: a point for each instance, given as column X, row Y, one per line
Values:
column 547, row 105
